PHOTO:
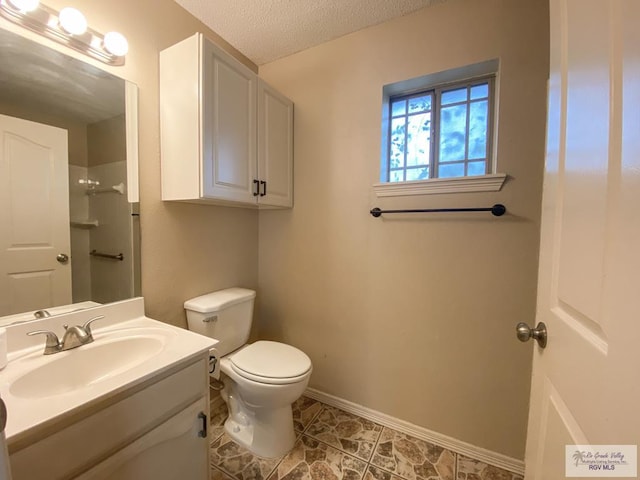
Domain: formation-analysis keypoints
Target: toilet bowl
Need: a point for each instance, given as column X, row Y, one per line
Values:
column 261, row 380
column 259, row 399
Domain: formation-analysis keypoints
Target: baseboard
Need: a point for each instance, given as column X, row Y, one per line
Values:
column 458, row 446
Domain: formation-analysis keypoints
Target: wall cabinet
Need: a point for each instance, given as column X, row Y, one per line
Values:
column 157, row 432
column 226, row 136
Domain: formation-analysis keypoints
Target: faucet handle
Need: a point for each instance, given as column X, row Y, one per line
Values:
column 53, row 343
column 87, row 324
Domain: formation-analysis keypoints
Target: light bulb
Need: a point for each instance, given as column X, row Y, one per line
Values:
column 72, row 21
column 116, row 44
column 25, row 5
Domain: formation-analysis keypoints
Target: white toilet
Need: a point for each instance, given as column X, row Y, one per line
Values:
column 261, row 379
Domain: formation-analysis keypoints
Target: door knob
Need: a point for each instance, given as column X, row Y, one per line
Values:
column 62, row 258
column 525, row 332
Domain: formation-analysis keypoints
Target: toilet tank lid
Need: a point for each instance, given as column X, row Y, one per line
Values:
column 216, row 301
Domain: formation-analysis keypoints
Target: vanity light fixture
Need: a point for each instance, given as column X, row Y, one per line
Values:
column 25, row 5
column 68, row 27
column 72, row 21
column 116, row 44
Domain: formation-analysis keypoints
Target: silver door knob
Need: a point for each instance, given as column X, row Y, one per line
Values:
column 62, row 258
column 525, row 332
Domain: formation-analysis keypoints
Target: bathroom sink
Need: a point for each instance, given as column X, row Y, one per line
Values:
column 85, row 366
column 129, row 350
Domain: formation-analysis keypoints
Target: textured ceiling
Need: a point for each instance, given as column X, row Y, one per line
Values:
column 264, row 30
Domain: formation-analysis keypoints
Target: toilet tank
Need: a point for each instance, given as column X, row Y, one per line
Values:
column 225, row 315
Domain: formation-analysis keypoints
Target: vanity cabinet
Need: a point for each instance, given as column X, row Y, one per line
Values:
column 226, row 135
column 173, row 450
column 157, row 430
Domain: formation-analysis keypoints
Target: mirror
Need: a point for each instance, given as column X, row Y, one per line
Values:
column 68, row 182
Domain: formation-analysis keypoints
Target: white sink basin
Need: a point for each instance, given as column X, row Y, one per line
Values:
column 128, row 350
column 87, row 365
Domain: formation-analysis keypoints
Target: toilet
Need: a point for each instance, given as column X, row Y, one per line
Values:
column 261, row 379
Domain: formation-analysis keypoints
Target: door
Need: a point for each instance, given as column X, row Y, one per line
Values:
column 228, row 127
column 35, row 220
column 585, row 385
column 275, row 147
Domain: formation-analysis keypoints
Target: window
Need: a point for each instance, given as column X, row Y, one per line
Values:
column 440, row 132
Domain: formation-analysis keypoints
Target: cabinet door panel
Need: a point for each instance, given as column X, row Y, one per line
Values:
column 171, row 451
column 229, row 128
column 275, row 146
column 56, row 456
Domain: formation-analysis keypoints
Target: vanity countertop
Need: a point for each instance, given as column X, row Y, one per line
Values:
column 128, row 350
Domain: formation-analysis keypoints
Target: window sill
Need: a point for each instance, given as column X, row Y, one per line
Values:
column 484, row 183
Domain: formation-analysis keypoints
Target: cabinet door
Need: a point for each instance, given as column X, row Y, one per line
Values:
column 172, row 451
column 275, row 147
column 228, row 127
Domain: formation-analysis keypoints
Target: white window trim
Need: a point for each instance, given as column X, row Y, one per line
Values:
column 480, row 183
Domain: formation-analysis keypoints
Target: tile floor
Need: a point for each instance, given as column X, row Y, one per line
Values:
column 336, row 445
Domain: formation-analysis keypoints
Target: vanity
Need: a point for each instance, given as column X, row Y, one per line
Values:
column 131, row 404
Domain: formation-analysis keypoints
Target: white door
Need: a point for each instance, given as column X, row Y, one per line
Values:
column 275, row 147
column 34, row 216
column 586, row 385
column 229, row 128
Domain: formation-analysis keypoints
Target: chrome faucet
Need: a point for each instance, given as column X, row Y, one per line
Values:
column 74, row 337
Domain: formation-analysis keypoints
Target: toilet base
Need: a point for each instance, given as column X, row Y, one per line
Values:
column 266, row 433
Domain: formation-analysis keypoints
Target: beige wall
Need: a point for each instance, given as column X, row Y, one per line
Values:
column 411, row 316
column 187, row 250
column 107, row 141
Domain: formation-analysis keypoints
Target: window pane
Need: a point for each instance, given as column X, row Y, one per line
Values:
column 451, row 170
column 480, row 91
column 476, row 168
column 396, row 176
column 417, row 173
column 398, row 107
column 454, row 96
column 420, row 104
column 397, row 144
column 418, row 139
column 453, row 128
column 478, row 130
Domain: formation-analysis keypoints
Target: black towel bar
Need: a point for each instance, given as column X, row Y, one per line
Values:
column 95, row 253
column 497, row 210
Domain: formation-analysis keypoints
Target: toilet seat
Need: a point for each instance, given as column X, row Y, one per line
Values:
column 271, row 363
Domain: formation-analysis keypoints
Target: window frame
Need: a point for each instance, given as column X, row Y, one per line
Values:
column 436, row 91
column 491, row 182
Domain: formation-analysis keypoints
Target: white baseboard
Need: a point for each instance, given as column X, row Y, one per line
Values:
column 458, row 446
